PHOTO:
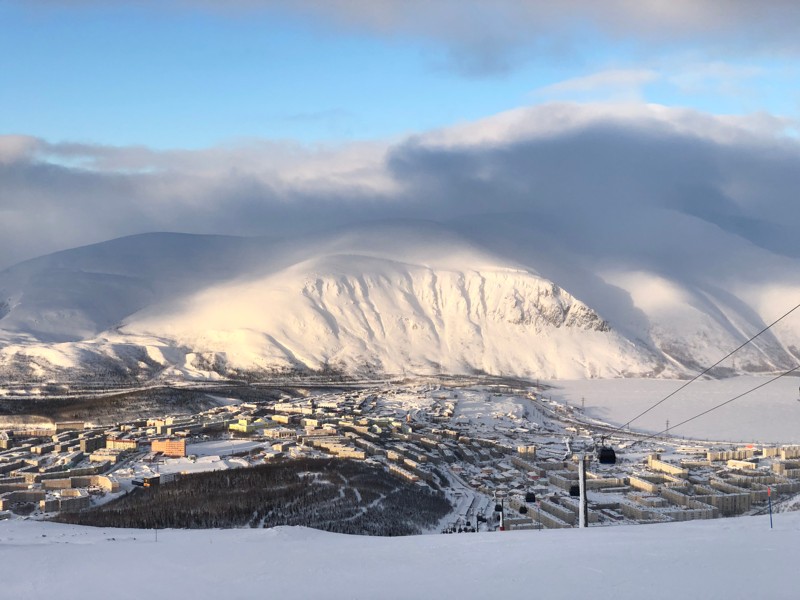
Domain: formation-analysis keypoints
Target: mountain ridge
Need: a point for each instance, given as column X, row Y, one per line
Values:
column 389, row 297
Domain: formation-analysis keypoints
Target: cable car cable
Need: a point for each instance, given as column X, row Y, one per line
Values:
column 699, row 375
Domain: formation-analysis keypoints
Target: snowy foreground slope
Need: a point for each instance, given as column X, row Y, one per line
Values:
column 393, row 297
column 724, row 558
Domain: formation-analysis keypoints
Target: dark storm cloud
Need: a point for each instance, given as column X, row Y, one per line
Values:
column 56, row 196
column 604, row 186
column 601, row 178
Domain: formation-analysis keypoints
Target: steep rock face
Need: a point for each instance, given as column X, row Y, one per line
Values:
column 506, row 296
column 543, row 304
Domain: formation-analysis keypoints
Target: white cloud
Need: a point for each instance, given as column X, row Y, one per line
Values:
column 557, row 119
column 489, row 37
column 580, row 163
column 618, row 85
column 455, row 19
column 717, row 77
column 17, row 147
column 276, row 163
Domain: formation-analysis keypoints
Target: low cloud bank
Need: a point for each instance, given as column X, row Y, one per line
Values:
column 583, row 171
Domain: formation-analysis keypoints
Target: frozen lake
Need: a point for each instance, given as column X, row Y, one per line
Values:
column 770, row 414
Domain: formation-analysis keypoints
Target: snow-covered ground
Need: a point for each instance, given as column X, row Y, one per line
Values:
column 205, row 456
column 478, row 409
column 177, row 465
column 222, row 447
column 770, row 414
column 725, row 558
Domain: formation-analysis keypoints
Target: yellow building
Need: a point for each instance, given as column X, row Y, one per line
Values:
column 242, row 426
column 170, row 447
column 121, row 444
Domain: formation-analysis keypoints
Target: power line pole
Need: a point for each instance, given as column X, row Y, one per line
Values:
column 769, row 497
column 667, row 429
column 583, row 510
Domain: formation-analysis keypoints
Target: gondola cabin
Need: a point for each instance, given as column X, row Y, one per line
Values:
column 606, row 455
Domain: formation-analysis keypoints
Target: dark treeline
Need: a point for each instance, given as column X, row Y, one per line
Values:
column 329, row 494
column 124, row 405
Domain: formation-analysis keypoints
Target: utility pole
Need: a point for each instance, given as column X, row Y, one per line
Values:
column 667, row 430
column 583, row 511
column 769, row 497
column 583, row 403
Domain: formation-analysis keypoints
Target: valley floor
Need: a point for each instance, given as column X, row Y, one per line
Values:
column 769, row 414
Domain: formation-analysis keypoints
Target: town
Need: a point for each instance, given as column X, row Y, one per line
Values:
column 506, row 455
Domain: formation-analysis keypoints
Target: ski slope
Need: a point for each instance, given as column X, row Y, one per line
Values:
column 724, row 558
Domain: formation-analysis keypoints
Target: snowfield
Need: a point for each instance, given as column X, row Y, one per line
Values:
column 724, row 558
column 771, row 414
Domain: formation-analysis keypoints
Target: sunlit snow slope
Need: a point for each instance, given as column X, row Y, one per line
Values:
column 394, row 297
column 738, row 558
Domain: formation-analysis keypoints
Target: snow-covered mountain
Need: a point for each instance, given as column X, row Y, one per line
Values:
column 506, row 297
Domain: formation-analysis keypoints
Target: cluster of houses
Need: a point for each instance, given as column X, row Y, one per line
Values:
column 534, row 471
column 526, row 472
column 63, row 467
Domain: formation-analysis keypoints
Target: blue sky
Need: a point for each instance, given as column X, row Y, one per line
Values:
column 190, row 77
column 260, row 117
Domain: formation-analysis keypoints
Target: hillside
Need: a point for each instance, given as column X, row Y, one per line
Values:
column 730, row 558
column 390, row 297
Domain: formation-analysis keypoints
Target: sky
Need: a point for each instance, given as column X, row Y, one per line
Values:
column 211, row 117
column 188, row 75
